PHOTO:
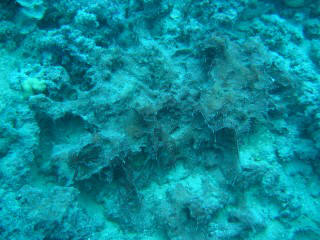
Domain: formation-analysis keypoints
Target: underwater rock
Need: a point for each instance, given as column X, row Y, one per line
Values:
column 312, row 28
column 294, row 3
column 171, row 119
column 32, row 8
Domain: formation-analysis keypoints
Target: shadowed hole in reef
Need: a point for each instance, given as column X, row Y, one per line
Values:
column 50, row 20
column 57, row 137
column 227, row 143
column 66, row 129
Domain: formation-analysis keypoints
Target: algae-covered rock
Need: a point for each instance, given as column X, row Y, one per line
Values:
column 166, row 119
column 32, row 8
column 312, row 28
column 4, row 146
column 294, row 3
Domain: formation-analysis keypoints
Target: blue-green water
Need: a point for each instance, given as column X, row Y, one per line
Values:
column 159, row 120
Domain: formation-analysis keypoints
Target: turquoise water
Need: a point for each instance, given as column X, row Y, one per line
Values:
column 159, row 120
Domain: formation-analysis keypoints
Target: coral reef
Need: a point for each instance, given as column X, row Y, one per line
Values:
column 161, row 120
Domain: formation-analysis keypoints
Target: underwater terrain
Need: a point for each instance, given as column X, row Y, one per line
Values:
column 160, row 120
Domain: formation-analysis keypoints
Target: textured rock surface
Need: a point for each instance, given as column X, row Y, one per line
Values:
column 294, row 3
column 161, row 120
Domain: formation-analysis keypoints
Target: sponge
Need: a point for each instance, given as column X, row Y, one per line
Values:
column 33, row 85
